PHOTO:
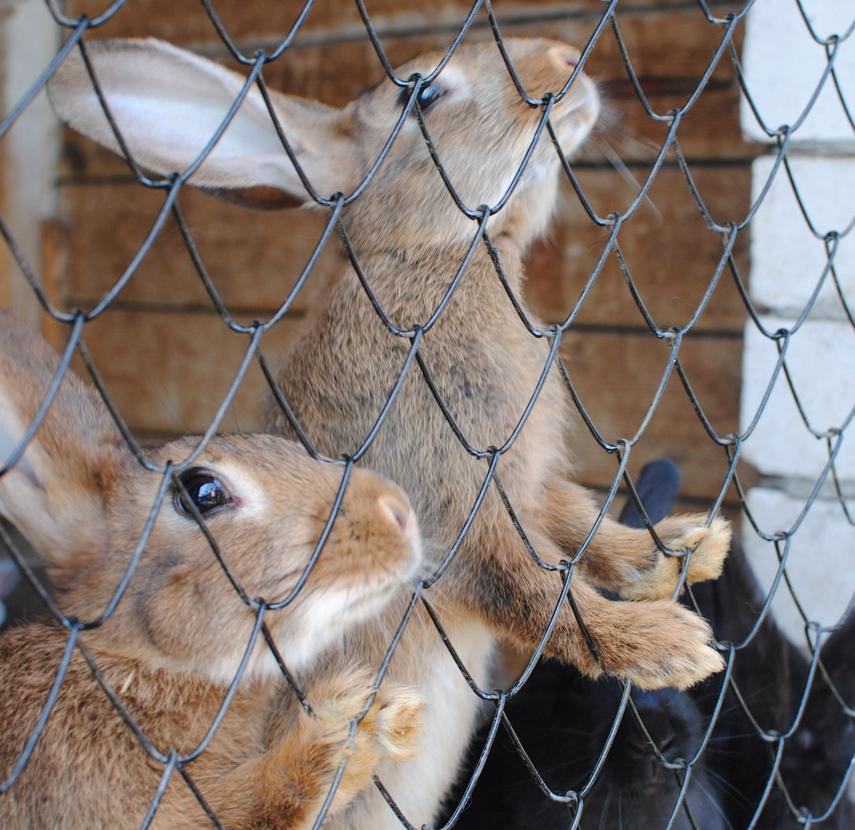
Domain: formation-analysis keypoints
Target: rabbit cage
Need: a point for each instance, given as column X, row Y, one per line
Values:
column 699, row 269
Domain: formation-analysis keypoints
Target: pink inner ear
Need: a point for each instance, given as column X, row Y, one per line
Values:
column 259, row 198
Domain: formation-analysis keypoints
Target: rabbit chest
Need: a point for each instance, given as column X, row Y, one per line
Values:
column 468, row 391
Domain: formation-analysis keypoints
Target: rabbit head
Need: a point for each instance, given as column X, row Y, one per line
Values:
column 635, row 782
column 82, row 499
column 671, row 720
column 168, row 103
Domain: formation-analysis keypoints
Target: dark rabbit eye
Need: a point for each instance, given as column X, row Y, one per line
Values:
column 204, row 489
column 428, row 95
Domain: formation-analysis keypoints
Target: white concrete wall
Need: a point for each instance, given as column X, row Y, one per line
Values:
column 783, row 65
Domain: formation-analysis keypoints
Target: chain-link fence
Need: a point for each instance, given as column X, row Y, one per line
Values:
column 766, row 743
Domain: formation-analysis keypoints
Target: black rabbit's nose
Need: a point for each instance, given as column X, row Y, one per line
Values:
column 654, row 775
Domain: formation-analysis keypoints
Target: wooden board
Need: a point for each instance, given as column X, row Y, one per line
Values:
column 666, row 246
column 169, row 372
column 616, row 376
column 254, row 258
column 255, row 23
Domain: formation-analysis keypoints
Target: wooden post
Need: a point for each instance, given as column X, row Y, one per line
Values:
column 5, row 275
column 28, row 40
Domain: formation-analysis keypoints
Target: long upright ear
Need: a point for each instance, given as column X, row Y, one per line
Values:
column 168, row 103
column 55, row 493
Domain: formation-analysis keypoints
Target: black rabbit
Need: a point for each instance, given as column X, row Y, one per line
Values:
column 563, row 721
column 771, row 674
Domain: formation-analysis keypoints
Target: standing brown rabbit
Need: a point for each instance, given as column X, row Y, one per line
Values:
column 411, row 238
column 177, row 637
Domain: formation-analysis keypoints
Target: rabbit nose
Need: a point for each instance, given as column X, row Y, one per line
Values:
column 398, row 511
column 564, row 57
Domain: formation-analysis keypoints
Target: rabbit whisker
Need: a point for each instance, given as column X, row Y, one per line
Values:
column 601, row 824
column 568, row 730
column 626, row 174
column 731, row 788
column 564, row 764
column 715, row 738
column 713, row 800
column 609, row 125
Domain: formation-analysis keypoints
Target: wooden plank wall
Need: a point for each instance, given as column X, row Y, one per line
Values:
column 168, row 359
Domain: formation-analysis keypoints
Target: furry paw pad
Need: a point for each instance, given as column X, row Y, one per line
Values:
column 709, row 546
column 661, row 644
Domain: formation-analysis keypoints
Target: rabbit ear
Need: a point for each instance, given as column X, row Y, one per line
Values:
column 167, row 104
column 837, row 656
column 54, row 494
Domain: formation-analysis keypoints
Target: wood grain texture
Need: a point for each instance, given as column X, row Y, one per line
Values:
column 666, row 246
column 266, row 23
column 616, row 377
column 169, row 372
column 254, row 258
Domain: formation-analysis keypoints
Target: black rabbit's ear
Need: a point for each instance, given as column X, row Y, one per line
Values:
column 837, row 657
column 657, row 486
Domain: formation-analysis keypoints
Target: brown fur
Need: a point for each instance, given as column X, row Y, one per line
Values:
column 411, row 238
column 176, row 638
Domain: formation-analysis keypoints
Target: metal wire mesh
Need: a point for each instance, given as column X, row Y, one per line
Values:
column 728, row 230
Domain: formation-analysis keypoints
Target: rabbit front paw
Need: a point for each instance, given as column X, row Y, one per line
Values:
column 397, row 722
column 709, row 545
column 657, row 644
column 389, row 731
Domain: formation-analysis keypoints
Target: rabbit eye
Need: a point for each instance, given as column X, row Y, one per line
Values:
column 428, row 95
column 204, row 489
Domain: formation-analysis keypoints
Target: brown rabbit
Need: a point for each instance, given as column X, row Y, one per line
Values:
column 177, row 636
column 410, row 238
